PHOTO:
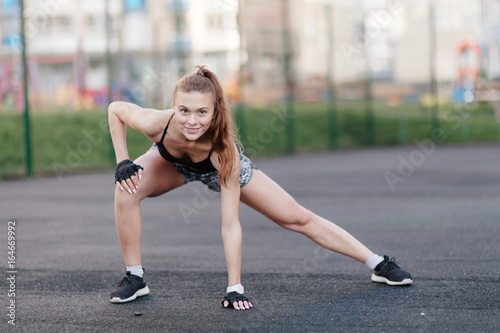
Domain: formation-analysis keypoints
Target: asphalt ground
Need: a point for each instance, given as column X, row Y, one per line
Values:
column 436, row 209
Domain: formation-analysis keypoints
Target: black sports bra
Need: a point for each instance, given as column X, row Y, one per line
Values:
column 204, row 166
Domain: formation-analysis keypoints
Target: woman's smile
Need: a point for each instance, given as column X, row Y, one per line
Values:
column 192, row 130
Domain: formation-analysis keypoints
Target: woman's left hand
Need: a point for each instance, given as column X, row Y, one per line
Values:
column 239, row 301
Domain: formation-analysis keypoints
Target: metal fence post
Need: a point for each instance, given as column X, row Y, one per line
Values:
column 432, row 53
column 290, row 135
column 240, row 107
column 369, row 117
column 332, row 105
column 109, row 67
column 27, row 129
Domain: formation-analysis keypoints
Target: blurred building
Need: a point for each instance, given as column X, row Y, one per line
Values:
column 311, row 46
column 388, row 41
column 490, row 33
column 150, row 43
column 153, row 41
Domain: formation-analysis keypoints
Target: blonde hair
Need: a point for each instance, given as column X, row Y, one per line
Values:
column 222, row 132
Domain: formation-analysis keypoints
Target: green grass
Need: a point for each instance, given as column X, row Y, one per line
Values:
column 392, row 126
column 68, row 142
column 62, row 143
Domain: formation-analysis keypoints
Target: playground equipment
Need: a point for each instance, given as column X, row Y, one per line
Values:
column 12, row 84
column 11, row 89
column 473, row 84
column 469, row 71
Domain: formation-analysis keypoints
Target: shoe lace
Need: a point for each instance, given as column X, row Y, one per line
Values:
column 126, row 278
column 392, row 262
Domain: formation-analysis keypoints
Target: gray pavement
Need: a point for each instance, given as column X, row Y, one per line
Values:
column 437, row 210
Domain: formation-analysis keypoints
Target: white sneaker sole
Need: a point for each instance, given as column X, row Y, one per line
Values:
column 376, row 278
column 138, row 293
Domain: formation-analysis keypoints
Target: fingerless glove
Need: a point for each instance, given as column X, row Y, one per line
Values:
column 234, row 297
column 126, row 169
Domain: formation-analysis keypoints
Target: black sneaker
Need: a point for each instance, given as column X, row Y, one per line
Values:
column 389, row 272
column 131, row 287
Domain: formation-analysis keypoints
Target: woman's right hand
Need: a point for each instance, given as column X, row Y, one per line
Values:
column 127, row 176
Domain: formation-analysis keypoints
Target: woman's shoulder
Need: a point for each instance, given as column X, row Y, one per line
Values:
column 157, row 121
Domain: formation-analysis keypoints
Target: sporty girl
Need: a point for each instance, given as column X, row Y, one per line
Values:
column 196, row 140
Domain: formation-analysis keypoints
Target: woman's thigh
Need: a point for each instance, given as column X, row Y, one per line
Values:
column 159, row 176
column 267, row 197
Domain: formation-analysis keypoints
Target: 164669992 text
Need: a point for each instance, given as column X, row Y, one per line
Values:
column 11, row 272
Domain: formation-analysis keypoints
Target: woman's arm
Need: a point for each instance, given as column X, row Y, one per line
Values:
column 231, row 228
column 148, row 121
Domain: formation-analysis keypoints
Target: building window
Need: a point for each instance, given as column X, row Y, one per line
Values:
column 43, row 24
column 62, row 24
column 131, row 5
column 9, row 28
column 94, row 23
column 48, row 24
column 10, row 4
column 97, row 24
column 452, row 15
column 216, row 21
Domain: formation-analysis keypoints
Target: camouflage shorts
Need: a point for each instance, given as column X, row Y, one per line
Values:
column 210, row 178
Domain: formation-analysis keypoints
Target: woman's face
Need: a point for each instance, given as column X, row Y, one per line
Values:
column 194, row 113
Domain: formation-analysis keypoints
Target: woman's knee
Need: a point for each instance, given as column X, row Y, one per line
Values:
column 123, row 199
column 297, row 218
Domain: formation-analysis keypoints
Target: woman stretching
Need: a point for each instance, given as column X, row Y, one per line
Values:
column 196, row 140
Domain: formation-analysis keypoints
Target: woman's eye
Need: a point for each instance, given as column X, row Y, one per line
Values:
column 184, row 111
column 203, row 111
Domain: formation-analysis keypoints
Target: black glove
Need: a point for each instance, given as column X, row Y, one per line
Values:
column 234, row 297
column 126, row 169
